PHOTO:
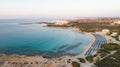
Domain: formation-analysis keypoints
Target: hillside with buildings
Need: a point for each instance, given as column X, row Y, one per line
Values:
column 98, row 20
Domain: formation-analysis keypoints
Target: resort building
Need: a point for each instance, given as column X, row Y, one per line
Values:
column 117, row 22
column 106, row 31
column 62, row 22
column 114, row 34
column 119, row 37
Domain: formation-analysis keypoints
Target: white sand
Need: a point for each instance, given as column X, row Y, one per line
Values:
column 82, row 55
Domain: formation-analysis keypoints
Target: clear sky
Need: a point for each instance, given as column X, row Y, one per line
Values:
column 59, row 8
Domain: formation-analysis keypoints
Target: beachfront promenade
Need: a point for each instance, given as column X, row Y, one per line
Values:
column 99, row 41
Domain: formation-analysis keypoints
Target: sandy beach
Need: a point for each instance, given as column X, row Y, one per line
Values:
column 88, row 46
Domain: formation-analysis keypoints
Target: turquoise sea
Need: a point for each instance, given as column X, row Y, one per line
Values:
column 34, row 39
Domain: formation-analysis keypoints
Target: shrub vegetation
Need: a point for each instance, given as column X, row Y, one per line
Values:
column 81, row 60
column 75, row 64
column 111, row 60
column 89, row 58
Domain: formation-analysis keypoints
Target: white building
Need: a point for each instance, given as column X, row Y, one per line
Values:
column 62, row 22
column 117, row 22
column 105, row 31
column 119, row 37
column 114, row 34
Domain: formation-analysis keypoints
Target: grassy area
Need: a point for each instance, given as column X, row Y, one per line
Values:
column 111, row 60
column 111, row 46
column 92, row 27
column 107, row 48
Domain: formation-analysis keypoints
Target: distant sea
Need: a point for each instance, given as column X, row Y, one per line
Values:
column 34, row 39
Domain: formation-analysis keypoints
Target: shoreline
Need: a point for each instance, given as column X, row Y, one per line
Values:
column 82, row 55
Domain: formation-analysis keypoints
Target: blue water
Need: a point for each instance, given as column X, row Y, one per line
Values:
column 34, row 39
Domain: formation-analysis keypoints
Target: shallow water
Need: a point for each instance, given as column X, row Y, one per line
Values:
column 34, row 39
